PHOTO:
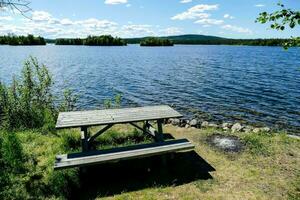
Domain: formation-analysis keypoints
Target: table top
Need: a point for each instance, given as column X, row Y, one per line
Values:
column 114, row 116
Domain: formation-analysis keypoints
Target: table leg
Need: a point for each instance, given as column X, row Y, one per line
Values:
column 159, row 135
column 84, row 139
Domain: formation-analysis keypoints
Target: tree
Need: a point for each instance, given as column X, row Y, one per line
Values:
column 280, row 20
column 21, row 6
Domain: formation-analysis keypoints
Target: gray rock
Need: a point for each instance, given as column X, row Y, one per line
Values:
column 194, row 122
column 212, row 125
column 175, row 122
column 265, row 129
column 248, row 129
column 236, row 127
column 204, row 124
column 256, row 130
column 187, row 126
column 226, row 125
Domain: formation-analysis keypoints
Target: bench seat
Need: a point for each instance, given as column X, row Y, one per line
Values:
column 121, row 153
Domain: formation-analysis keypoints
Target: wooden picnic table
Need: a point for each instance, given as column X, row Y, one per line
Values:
column 110, row 117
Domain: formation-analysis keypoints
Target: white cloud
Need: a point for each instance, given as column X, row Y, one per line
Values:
column 43, row 23
column 186, row 1
column 171, row 31
column 66, row 22
column 114, row 2
column 128, row 5
column 209, row 21
column 6, row 18
column 236, row 29
column 195, row 12
column 227, row 16
column 40, row 16
column 259, row 5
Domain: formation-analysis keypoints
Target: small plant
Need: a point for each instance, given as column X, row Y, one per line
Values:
column 28, row 101
column 113, row 103
column 69, row 101
column 258, row 143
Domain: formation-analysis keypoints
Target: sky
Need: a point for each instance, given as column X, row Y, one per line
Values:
column 139, row 18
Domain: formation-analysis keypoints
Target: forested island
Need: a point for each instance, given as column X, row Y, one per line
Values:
column 212, row 40
column 154, row 41
column 22, row 40
column 103, row 40
column 108, row 40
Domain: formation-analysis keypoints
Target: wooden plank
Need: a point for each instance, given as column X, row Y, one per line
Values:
column 64, row 162
column 113, row 116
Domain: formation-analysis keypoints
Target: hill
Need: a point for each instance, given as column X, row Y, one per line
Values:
column 212, row 40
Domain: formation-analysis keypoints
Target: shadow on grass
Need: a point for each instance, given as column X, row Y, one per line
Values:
column 132, row 175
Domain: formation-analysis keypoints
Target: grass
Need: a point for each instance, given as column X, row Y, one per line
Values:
column 268, row 168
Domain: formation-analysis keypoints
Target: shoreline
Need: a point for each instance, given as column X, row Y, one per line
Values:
column 226, row 126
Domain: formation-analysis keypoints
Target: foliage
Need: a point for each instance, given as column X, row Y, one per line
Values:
column 22, row 40
column 69, row 101
column 280, row 20
column 69, row 41
column 113, row 103
column 28, row 101
column 258, row 143
column 212, row 40
column 103, row 40
column 152, row 41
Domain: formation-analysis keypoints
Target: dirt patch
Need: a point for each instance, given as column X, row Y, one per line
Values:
column 227, row 143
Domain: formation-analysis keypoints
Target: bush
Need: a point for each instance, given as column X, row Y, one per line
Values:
column 28, row 102
column 258, row 143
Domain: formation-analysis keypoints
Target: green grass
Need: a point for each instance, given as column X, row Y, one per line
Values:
column 267, row 168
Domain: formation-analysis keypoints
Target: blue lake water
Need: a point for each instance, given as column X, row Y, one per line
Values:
column 258, row 85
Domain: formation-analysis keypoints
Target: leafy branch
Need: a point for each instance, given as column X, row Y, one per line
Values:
column 280, row 20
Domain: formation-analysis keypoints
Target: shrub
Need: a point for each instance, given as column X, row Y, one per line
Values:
column 258, row 143
column 12, row 153
column 28, row 102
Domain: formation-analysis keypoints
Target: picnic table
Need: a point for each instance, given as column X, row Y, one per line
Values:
column 110, row 117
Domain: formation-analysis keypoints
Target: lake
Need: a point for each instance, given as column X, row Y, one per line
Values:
column 257, row 85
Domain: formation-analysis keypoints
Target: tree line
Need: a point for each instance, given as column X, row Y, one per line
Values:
column 103, row 40
column 223, row 41
column 153, row 41
column 22, row 40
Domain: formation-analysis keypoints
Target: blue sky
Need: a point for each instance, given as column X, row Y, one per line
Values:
column 136, row 18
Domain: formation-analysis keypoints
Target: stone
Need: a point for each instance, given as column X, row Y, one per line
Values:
column 175, row 122
column 265, row 129
column 212, row 125
column 204, row 124
column 194, row 122
column 248, row 129
column 187, row 126
column 256, row 130
column 237, row 127
column 226, row 125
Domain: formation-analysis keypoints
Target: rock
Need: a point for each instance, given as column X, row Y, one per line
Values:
column 256, row 130
column 187, row 126
column 236, row 127
column 194, row 122
column 175, row 122
column 183, row 122
column 212, row 125
column 226, row 125
column 248, row 129
column 204, row 124
column 265, row 129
